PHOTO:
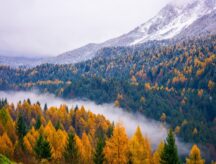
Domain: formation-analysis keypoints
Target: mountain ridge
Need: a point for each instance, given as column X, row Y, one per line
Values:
column 176, row 21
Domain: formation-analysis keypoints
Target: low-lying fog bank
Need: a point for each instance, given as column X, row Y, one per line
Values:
column 153, row 129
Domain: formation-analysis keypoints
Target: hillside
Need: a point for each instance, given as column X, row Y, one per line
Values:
column 178, row 81
column 79, row 84
column 30, row 134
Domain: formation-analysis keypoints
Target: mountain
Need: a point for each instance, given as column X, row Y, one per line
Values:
column 21, row 61
column 173, row 20
column 176, row 21
column 75, row 56
column 179, row 81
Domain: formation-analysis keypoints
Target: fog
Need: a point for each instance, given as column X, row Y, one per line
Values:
column 154, row 130
column 51, row 27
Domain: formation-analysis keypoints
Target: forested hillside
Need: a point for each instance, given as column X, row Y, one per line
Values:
column 61, row 135
column 174, row 84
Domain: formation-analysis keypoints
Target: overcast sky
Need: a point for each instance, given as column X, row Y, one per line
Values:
column 50, row 27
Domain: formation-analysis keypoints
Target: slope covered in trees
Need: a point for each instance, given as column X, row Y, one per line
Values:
column 29, row 134
column 175, row 84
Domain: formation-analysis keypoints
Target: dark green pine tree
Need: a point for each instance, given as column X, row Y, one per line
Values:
column 3, row 102
column 42, row 148
column 71, row 150
column 99, row 155
column 38, row 123
column 169, row 154
column 58, row 125
column 29, row 101
column 110, row 130
column 21, row 127
column 45, row 107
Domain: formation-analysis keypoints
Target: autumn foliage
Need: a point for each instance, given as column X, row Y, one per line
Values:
column 62, row 135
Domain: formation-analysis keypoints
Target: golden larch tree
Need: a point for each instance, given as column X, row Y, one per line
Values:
column 30, row 139
column 116, row 149
column 211, row 84
column 87, row 149
column 57, row 140
column 156, row 156
column 195, row 156
column 6, row 146
column 80, row 147
column 140, row 149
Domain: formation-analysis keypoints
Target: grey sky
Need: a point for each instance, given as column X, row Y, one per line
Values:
column 50, row 27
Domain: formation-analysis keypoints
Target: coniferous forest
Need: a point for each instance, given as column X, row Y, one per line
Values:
column 79, row 85
column 30, row 134
column 170, row 82
column 173, row 84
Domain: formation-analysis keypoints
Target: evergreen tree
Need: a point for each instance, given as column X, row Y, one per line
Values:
column 38, row 123
column 169, row 154
column 58, row 125
column 99, row 155
column 76, row 108
column 45, row 107
column 71, row 150
column 100, row 134
column 21, row 127
column 110, row 130
column 3, row 102
column 42, row 148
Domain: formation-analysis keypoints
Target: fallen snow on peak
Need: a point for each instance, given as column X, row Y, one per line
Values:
column 173, row 19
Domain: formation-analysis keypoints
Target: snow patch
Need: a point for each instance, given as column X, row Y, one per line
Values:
column 167, row 26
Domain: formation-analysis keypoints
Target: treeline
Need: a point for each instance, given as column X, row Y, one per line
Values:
column 29, row 134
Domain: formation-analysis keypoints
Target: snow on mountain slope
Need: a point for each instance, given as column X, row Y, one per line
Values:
column 173, row 19
column 170, row 23
column 75, row 56
column 201, row 27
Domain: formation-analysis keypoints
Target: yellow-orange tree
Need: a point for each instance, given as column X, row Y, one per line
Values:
column 57, row 140
column 156, row 156
column 195, row 156
column 140, row 148
column 6, row 146
column 87, row 156
column 30, row 139
column 116, row 149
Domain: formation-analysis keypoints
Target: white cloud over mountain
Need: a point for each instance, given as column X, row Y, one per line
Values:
column 50, row 27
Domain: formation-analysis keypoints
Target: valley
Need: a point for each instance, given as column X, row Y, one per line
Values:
column 146, row 96
column 176, row 81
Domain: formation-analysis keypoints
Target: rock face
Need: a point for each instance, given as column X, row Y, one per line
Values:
column 177, row 20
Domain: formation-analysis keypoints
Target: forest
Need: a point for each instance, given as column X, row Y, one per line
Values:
column 32, row 134
column 173, row 83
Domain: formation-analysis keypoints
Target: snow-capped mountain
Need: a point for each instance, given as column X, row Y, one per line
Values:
column 169, row 23
column 172, row 20
column 177, row 20
column 24, row 62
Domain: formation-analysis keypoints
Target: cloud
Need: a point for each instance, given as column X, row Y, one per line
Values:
column 151, row 128
column 182, row 3
column 50, row 27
